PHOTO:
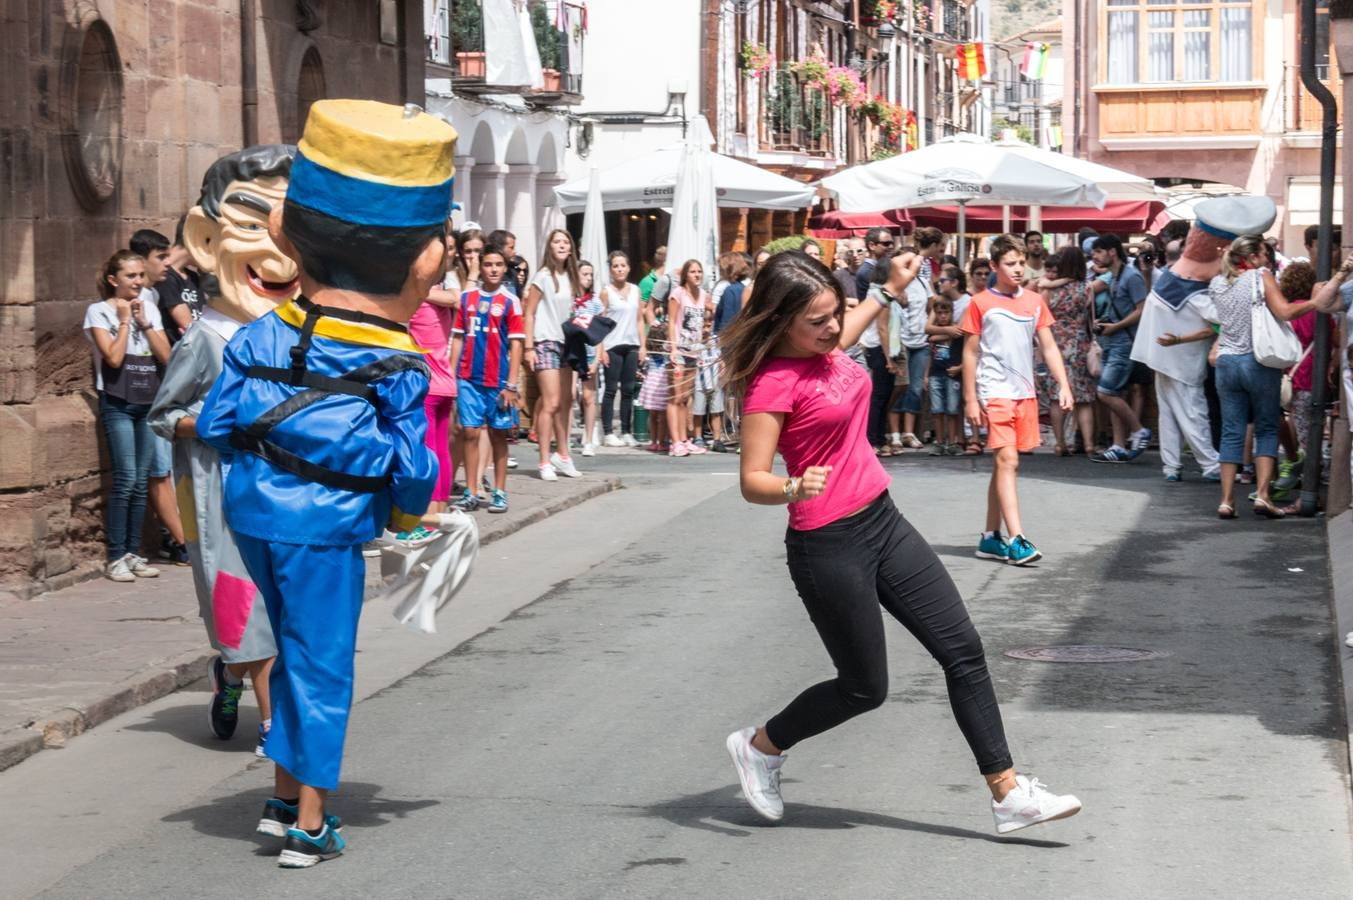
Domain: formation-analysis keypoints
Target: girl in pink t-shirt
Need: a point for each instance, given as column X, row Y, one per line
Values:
column 849, row 550
column 430, row 328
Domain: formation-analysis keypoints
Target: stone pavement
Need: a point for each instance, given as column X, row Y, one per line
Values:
column 73, row 658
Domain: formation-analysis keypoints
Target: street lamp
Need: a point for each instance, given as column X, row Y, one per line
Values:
column 676, row 96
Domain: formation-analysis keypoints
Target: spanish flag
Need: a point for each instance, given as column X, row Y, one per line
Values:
column 1035, row 63
column 972, row 62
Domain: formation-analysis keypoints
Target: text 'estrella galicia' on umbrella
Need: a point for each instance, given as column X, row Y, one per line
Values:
column 953, row 183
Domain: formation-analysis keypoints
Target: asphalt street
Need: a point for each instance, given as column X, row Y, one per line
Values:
column 564, row 737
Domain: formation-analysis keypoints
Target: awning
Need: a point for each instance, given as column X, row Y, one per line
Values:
column 1117, row 216
column 835, row 225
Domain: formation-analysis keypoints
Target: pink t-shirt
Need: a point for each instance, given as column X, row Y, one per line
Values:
column 825, row 400
column 430, row 328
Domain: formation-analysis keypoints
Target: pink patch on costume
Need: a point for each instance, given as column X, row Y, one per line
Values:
column 232, row 599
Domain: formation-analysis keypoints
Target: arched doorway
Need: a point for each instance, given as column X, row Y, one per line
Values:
column 309, row 87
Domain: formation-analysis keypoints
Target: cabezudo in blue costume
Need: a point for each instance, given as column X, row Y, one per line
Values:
column 318, row 416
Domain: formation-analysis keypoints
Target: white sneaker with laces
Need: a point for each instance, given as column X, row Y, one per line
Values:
column 758, row 773
column 118, row 570
column 612, row 441
column 140, row 566
column 512, row 462
column 564, row 466
column 547, row 473
column 628, row 440
column 589, row 449
column 1030, row 803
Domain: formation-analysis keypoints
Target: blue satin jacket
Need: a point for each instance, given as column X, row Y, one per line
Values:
column 378, row 438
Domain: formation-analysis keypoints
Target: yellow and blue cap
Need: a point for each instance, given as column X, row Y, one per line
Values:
column 372, row 163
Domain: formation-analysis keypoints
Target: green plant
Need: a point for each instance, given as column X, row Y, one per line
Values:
column 547, row 36
column 783, row 107
column 881, row 152
column 1023, row 132
column 788, row 242
column 467, row 27
column 756, row 59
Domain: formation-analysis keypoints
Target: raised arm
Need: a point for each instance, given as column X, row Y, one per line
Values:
column 1283, row 310
column 1326, row 298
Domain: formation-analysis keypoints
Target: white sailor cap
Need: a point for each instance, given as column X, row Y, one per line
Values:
column 1230, row 217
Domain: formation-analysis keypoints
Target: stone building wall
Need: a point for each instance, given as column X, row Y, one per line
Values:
column 110, row 113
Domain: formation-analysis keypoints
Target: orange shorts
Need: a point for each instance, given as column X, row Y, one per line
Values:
column 1012, row 423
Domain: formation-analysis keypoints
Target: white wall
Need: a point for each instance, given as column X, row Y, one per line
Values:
column 635, row 48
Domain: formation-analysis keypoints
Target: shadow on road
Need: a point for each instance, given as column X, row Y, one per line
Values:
column 188, row 722
column 358, row 803
column 722, row 811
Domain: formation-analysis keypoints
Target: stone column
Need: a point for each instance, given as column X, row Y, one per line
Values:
column 548, row 216
column 520, row 207
column 486, row 202
column 461, row 190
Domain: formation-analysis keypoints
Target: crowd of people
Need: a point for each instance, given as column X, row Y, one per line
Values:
column 579, row 355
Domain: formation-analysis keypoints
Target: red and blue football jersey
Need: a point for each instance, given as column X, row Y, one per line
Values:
column 489, row 323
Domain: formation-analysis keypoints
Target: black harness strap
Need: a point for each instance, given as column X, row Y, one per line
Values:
column 356, row 383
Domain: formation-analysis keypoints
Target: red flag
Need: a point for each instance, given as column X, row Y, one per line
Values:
column 972, row 63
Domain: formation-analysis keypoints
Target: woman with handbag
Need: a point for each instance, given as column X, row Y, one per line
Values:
column 1255, row 345
column 1068, row 295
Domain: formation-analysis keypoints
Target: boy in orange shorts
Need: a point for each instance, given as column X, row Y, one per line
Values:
column 998, row 386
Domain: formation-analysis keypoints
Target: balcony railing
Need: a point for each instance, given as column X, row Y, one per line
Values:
column 795, row 117
column 1304, row 112
column 462, row 39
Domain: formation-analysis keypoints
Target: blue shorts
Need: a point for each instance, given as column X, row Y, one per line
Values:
column 946, row 395
column 161, row 457
column 477, row 407
column 1117, row 368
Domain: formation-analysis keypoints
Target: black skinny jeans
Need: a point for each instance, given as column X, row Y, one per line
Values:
column 843, row 572
column 620, row 374
column 880, row 392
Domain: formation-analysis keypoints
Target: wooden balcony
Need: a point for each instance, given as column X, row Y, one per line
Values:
column 1304, row 113
column 1196, row 116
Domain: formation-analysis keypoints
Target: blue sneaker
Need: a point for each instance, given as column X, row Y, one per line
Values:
column 468, row 503
column 301, row 851
column 1214, row 476
column 1114, row 454
column 498, row 503
column 279, row 816
column 418, row 537
column 261, row 748
column 1022, row 552
column 993, row 547
column 1173, row 477
column 1139, row 442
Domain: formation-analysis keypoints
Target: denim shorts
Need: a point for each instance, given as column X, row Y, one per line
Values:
column 1117, row 370
column 162, row 457
column 946, row 395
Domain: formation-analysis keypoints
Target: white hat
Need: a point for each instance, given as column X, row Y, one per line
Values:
column 1230, row 217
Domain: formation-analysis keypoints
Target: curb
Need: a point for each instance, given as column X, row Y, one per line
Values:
column 1339, row 534
column 52, row 732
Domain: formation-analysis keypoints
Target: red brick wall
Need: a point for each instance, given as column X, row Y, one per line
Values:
column 181, row 110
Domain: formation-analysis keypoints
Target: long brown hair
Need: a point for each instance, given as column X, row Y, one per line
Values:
column 112, row 266
column 570, row 263
column 783, row 289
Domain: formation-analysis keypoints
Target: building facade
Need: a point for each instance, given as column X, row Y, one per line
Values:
column 110, row 113
column 504, row 74
column 1029, row 70
column 1204, row 93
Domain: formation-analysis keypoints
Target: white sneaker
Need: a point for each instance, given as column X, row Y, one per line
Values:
column 758, row 773
column 512, row 462
column 547, row 473
column 1030, row 803
column 371, row 549
column 565, row 466
column 589, row 449
column 628, row 440
column 118, row 570
column 1348, row 639
column 140, row 567
column 612, row 441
